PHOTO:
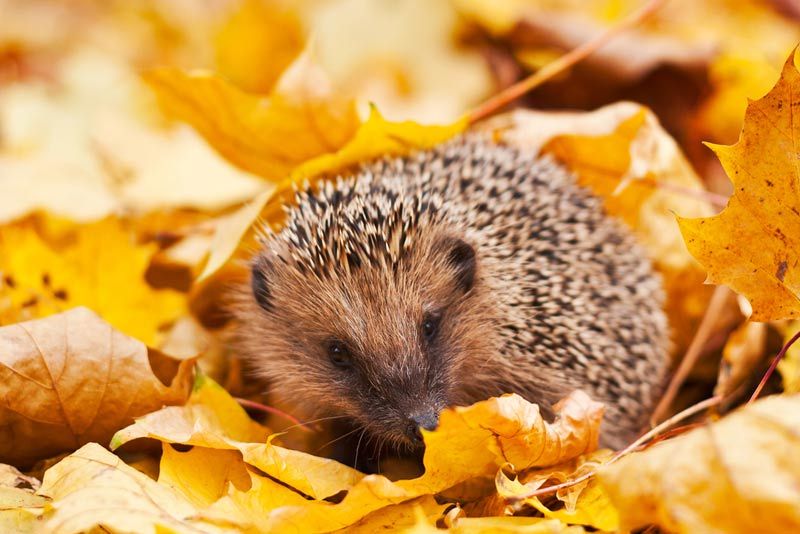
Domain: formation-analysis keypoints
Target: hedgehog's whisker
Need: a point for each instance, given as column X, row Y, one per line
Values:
column 331, row 442
column 314, row 421
column 358, row 446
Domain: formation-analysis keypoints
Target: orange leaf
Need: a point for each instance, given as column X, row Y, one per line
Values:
column 752, row 246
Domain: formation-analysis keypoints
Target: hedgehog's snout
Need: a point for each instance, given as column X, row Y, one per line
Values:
column 419, row 421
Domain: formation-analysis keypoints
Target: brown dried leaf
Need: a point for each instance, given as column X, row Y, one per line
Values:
column 71, row 378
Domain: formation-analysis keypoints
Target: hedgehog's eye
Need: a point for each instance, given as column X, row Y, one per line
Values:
column 339, row 354
column 430, row 325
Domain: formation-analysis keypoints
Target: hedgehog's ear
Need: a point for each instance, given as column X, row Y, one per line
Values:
column 259, row 270
column 461, row 256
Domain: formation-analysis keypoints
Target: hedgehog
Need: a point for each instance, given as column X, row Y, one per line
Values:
column 454, row 274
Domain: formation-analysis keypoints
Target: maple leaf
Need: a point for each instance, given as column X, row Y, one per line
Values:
column 48, row 266
column 71, row 378
column 752, row 245
column 268, row 136
column 748, row 462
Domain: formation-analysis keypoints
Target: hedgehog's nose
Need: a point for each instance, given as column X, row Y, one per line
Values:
column 428, row 420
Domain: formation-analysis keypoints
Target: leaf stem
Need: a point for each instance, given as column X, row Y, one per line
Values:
column 511, row 93
column 253, row 405
column 715, row 199
column 693, row 353
column 775, row 361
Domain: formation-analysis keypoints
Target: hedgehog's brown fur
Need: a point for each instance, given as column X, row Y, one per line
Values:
column 557, row 296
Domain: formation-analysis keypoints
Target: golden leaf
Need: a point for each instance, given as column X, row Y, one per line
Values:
column 97, row 265
column 202, row 487
column 379, row 137
column 92, row 487
column 212, row 419
column 486, row 435
column 494, row 525
column 71, row 378
column 266, row 136
column 740, row 474
column 585, row 503
column 752, row 246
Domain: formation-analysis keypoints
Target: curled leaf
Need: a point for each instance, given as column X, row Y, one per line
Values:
column 486, row 436
column 748, row 462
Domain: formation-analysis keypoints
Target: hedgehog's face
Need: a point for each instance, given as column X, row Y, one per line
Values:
column 379, row 343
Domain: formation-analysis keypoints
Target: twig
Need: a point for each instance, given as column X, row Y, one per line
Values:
column 693, row 353
column 685, row 414
column 511, row 93
column 773, row 366
column 245, row 403
column 717, row 200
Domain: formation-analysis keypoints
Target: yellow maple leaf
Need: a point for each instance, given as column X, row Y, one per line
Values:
column 212, row 419
column 740, row 474
column 752, row 246
column 71, row 378
column 268, row 136
column 97, row 265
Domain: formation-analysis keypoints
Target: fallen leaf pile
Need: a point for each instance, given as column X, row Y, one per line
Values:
column 141, row 143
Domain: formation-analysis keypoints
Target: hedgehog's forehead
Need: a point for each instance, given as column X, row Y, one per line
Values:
column 351, row 223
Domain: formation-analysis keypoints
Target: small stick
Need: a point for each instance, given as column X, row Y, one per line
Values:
column 245, row 403
column 511, row 93
column 685, row 414
column 693, row 353
column 773, row 366
column 715, row 199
